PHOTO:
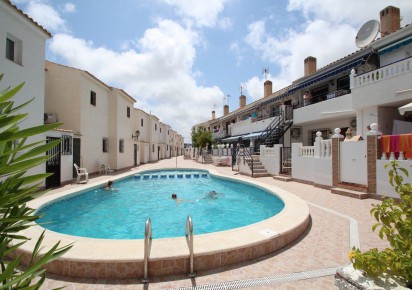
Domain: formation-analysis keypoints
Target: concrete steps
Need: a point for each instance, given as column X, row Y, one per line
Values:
column 258, row 169
column 284, row 178
column 350, row 193
column 208, row 159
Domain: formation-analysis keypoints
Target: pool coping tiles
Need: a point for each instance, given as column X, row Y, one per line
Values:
column 104, row 258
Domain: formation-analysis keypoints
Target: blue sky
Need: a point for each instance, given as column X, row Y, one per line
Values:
column 180, row 59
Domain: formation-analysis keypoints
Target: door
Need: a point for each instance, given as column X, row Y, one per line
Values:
column 135, row 155
column 76, row 155
column 353, row 167
column 53, row 164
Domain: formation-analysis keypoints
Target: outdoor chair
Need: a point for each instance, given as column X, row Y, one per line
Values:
column 81, row 174
column 105, row 168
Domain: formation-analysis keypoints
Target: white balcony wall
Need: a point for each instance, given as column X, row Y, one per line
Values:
column 326, row 111
column 385, row 86
column 247, row 126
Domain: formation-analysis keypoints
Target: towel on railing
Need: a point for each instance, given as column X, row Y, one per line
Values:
column 385, row 143
column 394, row 141
column 405, row 144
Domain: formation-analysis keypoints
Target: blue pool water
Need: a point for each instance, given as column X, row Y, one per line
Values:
column 122, row 214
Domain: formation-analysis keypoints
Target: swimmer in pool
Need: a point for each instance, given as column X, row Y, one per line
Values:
column 214, row 195
column 109, row 186
column 174, row 197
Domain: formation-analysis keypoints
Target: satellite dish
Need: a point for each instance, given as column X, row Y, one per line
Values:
column 367, row 33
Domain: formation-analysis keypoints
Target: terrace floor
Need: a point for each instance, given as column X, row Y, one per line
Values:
column 307, row 263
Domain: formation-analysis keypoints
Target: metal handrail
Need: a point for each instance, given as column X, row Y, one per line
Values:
column 189, row 233
column 147, row 236
column 247, row 156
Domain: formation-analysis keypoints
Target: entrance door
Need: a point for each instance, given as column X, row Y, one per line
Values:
column 158, row 152
column 76, row 155
column 53, row 165
column 353, row 167
column 135, row 154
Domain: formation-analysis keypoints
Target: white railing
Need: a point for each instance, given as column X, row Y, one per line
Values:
column 382, row 73
column 307, row 151
column 325, row 149
column 267, row 151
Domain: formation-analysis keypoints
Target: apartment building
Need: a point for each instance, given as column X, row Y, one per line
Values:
column 367, row 86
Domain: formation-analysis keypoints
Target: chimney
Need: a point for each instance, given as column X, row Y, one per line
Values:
column 213, row 115
column 225, row 110
column 242, row 101
column 267, row 87
column 390, row 20
column 310, row 65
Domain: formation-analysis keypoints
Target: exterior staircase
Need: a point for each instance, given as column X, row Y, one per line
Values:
column 258, row 169
column 277, row 128
column 208, row 159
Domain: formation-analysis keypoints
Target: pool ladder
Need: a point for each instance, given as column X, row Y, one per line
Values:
column 189, row 235
column 147, row 244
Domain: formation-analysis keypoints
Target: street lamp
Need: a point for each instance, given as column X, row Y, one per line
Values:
column 136, row 136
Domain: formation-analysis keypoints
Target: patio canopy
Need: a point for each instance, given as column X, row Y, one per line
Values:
column 406, row 108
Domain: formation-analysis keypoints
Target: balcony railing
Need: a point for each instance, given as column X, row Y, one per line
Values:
column 321, row 98
column 382, row 73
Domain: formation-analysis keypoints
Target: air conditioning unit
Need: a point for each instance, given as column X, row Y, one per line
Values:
column 50, row 118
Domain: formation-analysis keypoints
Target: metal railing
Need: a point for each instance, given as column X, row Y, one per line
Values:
column 189, row 235
column 247, row 157
column 147, row 237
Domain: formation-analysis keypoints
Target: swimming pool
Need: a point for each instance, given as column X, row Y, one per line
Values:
column 121, row 214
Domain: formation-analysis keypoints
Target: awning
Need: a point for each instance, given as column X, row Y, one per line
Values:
column 395, row 46
column 252, row 135
column 404, row 109
column 231, row 139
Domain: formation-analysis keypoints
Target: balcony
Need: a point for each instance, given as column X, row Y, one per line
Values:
column 331, row 106
column 389, row 85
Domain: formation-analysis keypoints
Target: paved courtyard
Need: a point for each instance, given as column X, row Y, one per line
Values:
column 307, row 263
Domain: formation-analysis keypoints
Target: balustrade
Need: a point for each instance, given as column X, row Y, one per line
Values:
column 382, row 73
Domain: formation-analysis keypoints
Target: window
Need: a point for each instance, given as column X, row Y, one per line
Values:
column 155, row 127
column 121, row 145
column 10, row 49
column 106, row 145
column 128, row 112
column 153, row 148
column 14, row 48
column 66, row 145
column 160, row 129
column 93, row 98
column 167, row 132
column 141, row 122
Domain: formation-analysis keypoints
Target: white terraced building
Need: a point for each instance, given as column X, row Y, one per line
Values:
column 371, row 85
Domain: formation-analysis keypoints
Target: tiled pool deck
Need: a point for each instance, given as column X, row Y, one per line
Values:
column 324, row 245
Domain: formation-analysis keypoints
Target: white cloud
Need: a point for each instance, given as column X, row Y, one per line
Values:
column 156, row 70
column 203, row 13
column 43, row 13
column 69, row 7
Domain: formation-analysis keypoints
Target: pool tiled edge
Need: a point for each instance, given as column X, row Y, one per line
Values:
column 95, row 258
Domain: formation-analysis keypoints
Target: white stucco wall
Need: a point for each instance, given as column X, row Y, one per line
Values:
column 247, row 126
column 31, row 69
column 270, row 158
column 383, row 186
column 316, row 170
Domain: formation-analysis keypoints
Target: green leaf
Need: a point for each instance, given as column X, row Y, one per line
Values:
column 5, row 136
column 38, row 150
column 9, row 94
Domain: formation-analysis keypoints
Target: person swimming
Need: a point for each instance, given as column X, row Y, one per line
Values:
column 214, row 195
column 175, row 198
column 109, row 186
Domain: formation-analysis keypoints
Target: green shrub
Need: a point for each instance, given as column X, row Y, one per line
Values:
column 16, row 189
column 394, row 222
